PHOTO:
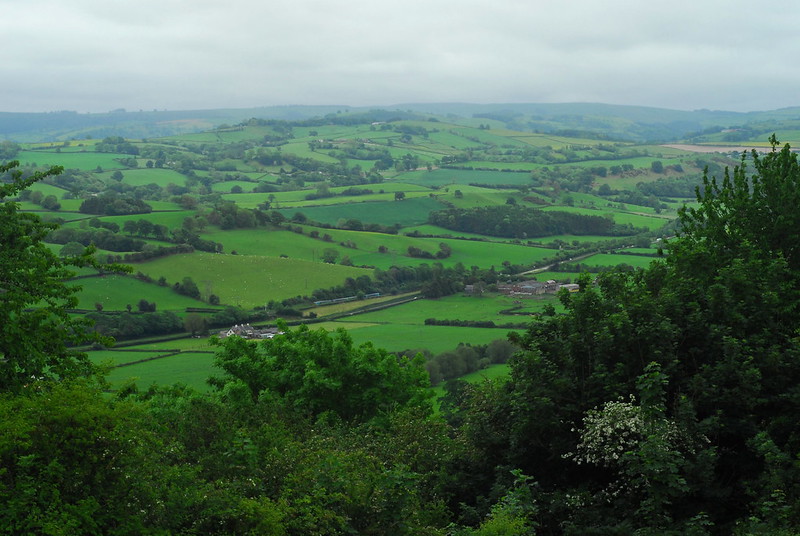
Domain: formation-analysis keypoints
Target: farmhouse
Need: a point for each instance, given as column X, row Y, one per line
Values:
column 246, row 331
column 528, row 288
column 524, row 289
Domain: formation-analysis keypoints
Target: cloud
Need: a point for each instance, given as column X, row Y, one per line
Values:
column 91, row 55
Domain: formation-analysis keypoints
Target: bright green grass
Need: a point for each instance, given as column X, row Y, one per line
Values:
column 251, row 200
column 172, row 219
column 69, row 209
column 301, row 149
column 608, row 259
column 47, row 189
column 249, row 280
column 114, row 357
column 556, row 276
column 87, row 161
column 298, row 197
column 117, row 291
column 569, row 239
column 160, row 176
column 460, row 178
column 456, row 307
column 434, row 230
column 637, row 220
column 246, row 186
column 437, row 339
column 406, row 212
column 297, row 246
column 192, row 369
column 492, row 372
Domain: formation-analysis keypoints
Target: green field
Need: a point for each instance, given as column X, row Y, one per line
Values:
column 192, row 369
column 437, row 339
column 114, row 292
column 456, row 307
column 143, row 176
column 404, row 213
column 459, row 177
column 608, row 259
column 248, row 280
column 87, row 161
column 296, row 246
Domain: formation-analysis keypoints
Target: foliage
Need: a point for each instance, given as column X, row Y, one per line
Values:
column 522, row 222
column 37, row 330
column 316, row 372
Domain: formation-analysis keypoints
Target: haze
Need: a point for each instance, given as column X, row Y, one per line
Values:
column 95, row 56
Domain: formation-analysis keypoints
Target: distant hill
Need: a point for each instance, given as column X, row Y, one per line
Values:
column 588, row 120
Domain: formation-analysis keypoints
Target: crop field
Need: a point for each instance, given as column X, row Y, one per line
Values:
column 114, row 292
column 248, row 280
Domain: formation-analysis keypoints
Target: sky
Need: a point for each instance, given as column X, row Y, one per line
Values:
column 100, row 55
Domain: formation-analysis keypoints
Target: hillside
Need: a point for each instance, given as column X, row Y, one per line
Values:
column 614, row 122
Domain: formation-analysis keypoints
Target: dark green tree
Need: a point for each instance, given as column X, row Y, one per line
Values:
column 36, row 329
column 315, row 372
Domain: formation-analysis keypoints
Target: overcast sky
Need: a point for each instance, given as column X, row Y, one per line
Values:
column 99, row 55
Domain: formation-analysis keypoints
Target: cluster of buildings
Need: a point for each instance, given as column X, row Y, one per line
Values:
column 522, row 289
column 246, row 331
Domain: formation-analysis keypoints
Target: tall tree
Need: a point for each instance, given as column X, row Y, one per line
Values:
column 36, row 330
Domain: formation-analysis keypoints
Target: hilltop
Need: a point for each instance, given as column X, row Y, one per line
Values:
column 616, row 122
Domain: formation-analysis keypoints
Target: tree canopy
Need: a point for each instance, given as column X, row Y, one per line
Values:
column 36, row 330
column 315, row 372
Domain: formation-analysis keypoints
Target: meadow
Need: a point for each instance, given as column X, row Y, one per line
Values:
column 86, row 161
column 406, row 212
column 248, row 280
column 116, row 292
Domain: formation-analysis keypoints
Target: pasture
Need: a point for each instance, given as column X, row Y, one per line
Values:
column 86, row 161
column 404, row 213
column 456, row 307
column 248, row 280
column 115, row 292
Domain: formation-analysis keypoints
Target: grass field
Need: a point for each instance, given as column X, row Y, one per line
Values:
column 190, row 368
column 296, row 246
column 249, row 280
column 459, row 177
column 437, row 339
column 456, row 307
column 608, row 259
column 404, row 213
column 87, row 161
column 114, row 292
column 143, row 176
